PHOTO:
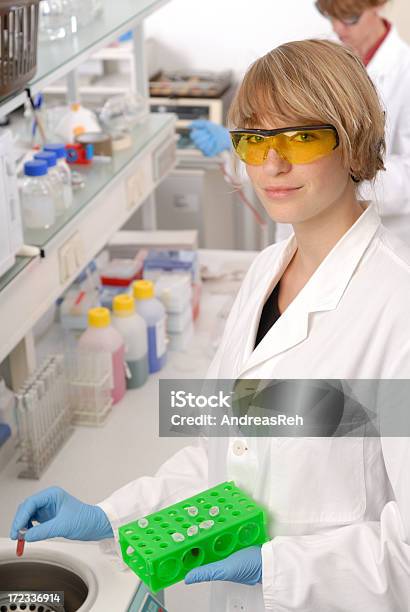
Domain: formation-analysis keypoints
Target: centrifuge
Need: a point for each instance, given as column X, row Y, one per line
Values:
column 91, row 580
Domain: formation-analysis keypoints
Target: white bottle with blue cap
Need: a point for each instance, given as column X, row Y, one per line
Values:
column 63, row 169
column 37, row 200
column 54, row 178
column 153, row 312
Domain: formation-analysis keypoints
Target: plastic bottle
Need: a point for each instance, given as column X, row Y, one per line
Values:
column 36, row 196
column 63, row 170
column 153, row 311
column 133, row 329
column 76, row 120
column 54, row 178
column 101, row 336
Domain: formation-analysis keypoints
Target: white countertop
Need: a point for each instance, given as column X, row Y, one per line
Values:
column 96, row 461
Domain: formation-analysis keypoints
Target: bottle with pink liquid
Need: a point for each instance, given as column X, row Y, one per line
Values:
column 101, row 336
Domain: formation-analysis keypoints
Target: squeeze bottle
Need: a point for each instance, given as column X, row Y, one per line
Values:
column 133, row 329
column 101, row 336
column 153, row 311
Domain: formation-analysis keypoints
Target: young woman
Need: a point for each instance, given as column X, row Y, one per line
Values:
column 331, row 302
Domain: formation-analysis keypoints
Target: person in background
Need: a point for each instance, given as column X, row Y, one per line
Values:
column 359, row 25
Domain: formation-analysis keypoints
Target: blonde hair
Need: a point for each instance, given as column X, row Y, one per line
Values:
column 314, row 82
column 343, row 9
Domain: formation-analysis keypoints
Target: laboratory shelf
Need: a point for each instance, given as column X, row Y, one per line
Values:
column 56, row 59
column 7, row 277
column 113, row 192
column 9, row 103
column 100, row 174
column 97, row 177
column 60, row 57
column 110, row 85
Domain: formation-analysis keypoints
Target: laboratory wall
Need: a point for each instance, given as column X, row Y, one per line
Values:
column 230, row 34
column 399, row 12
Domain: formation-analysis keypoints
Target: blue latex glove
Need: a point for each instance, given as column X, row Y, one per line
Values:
column 209, row 137
column 244, row 566
column 60, row 515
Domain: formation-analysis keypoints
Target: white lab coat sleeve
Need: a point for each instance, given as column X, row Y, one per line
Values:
column 363, row 566
column 391, row 189
column 183, row 475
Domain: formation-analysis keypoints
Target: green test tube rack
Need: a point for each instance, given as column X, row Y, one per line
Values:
column 163, row 547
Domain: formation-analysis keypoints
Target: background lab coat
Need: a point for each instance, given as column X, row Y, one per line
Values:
column 341, row 505
column 389, row 69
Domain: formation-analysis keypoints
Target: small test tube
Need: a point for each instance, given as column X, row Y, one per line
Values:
column 21, row 420
column 40, row 423
column 20, row 542
column 49, row 408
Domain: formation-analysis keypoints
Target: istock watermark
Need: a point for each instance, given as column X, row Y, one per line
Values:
column 182, row 399
column 284, row 408
column 209, row 420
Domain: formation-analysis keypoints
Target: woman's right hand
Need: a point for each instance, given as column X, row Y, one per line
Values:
column 60, row 515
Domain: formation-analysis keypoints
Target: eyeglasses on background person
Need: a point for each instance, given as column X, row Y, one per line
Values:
column 348, row 21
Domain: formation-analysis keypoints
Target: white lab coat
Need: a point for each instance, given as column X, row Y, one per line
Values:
column 341, row 539
column 389, row 69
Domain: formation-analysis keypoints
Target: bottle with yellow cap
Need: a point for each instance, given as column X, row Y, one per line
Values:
column 101, row 337
column 153, row 312
column 133, row 329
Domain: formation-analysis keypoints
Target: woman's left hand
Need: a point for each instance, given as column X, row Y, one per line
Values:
column 244, row 566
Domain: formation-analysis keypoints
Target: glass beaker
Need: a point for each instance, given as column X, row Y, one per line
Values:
column 55, row 19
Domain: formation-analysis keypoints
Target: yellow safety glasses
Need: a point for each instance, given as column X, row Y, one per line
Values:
column 297, row 145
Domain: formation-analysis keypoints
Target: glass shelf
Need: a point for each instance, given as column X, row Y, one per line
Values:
column 57, row 58
column 7, row 277
column 99, row 174
column 9, row 103
column 61, row 56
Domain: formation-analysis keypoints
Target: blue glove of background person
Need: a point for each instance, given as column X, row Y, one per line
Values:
column 209, row 137
column 60, row 515
column 244, row 566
